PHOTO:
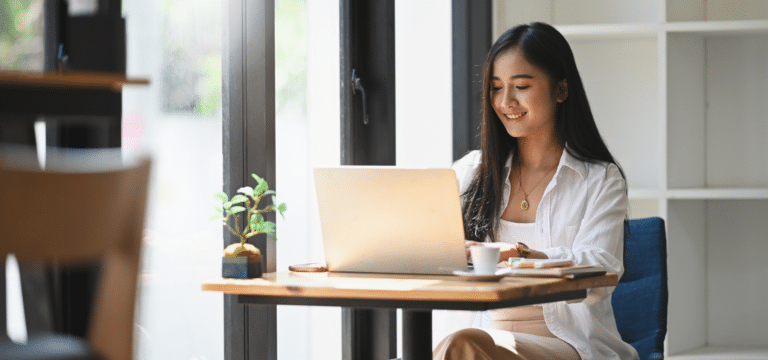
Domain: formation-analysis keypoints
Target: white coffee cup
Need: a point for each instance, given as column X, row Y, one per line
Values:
column 484, row 259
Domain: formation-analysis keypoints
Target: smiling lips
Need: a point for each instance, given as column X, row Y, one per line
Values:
column 515, row 116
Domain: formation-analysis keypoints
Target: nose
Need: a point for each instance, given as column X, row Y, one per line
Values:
column 508, row 98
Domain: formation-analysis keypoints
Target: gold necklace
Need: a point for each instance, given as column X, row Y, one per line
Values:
column 524, row 204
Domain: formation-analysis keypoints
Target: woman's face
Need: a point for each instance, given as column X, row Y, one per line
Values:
column 523, row 96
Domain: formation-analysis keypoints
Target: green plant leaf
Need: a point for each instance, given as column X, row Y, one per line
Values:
column 247, row 190
column 269, row 227
column 260, row 189
column 270, row 192
column 282, row 208
column 221, row 196
column 227, row 205
column 216, row 217
column 258, row 179
column 238, row 199
column 218, row 209
column 237, row 209
column 256, row 221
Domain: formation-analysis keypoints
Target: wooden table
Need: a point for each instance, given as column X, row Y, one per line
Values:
column 417, row 295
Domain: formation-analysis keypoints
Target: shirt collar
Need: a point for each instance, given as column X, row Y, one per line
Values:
column 566, row 159
column 572, row 162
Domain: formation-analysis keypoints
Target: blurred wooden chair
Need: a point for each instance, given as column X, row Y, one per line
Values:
column 75, row 218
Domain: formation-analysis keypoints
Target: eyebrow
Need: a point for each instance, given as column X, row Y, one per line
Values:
column 518, row 76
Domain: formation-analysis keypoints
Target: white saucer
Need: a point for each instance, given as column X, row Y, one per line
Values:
column 472, row 276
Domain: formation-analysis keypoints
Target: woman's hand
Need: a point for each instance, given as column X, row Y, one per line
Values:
column 504, row 252
column 504, row 255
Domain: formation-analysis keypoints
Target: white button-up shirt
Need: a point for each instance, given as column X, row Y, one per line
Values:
column 581, row 218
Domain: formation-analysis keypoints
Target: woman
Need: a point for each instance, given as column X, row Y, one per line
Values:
column 545, row 184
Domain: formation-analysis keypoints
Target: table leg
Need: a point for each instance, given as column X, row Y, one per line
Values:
column 368, row 334
column 417, row 334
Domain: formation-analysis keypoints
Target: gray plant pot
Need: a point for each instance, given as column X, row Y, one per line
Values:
column 243, row 267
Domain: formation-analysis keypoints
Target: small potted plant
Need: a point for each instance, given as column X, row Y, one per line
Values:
column 243, row 260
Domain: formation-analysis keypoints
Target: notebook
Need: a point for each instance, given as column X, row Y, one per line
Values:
column 568, row 272
column 390, row 220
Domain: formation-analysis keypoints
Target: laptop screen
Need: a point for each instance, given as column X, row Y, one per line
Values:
column 391, row 220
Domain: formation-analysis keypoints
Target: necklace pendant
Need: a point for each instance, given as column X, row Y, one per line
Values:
column 524, row 204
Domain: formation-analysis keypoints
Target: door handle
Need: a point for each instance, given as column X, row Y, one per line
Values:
column 357, row 86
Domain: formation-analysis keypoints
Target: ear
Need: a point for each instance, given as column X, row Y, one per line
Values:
column 561, row 90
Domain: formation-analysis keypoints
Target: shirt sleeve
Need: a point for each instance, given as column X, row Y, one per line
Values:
column 600, row 240
column 465, row 169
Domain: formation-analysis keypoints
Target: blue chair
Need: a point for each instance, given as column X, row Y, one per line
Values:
column 640, row 299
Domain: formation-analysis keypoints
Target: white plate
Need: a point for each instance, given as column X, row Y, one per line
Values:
column 472, row 276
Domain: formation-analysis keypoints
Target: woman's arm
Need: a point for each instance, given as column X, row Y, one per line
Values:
column 506, row 250
column 533, row 254
column 599, row 240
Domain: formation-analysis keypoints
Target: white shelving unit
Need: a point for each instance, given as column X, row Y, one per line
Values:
column 679, row 89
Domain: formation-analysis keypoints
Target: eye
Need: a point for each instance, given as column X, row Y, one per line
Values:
column 523, row 87
column 495, row 88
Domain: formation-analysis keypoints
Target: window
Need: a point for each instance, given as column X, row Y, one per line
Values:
column 177, row 45
column 307, row 136
column 21, row 35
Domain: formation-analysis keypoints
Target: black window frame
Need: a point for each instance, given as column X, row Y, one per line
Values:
column 472, row 38
column 367, row 42
column 248, row 121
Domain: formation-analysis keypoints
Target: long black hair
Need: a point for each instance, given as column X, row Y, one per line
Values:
column 543, row 46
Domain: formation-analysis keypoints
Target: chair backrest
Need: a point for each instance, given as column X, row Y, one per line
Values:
column 82, row 217
column 640, row 299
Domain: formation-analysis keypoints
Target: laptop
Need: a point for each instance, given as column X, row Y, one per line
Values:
column 390, row 220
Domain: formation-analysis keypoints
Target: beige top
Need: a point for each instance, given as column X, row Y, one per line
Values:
column 512, row 232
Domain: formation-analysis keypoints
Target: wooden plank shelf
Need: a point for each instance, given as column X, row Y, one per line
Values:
column 69, row 79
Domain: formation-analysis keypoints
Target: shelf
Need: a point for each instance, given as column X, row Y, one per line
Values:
column 629, row 31
column 722, row 353
column 642, row 193
column 719, row 27
column 644, row 200
column 624, row 31
column 677, row 89
column 609, row 31
column 718, row 194
column 68, row 79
